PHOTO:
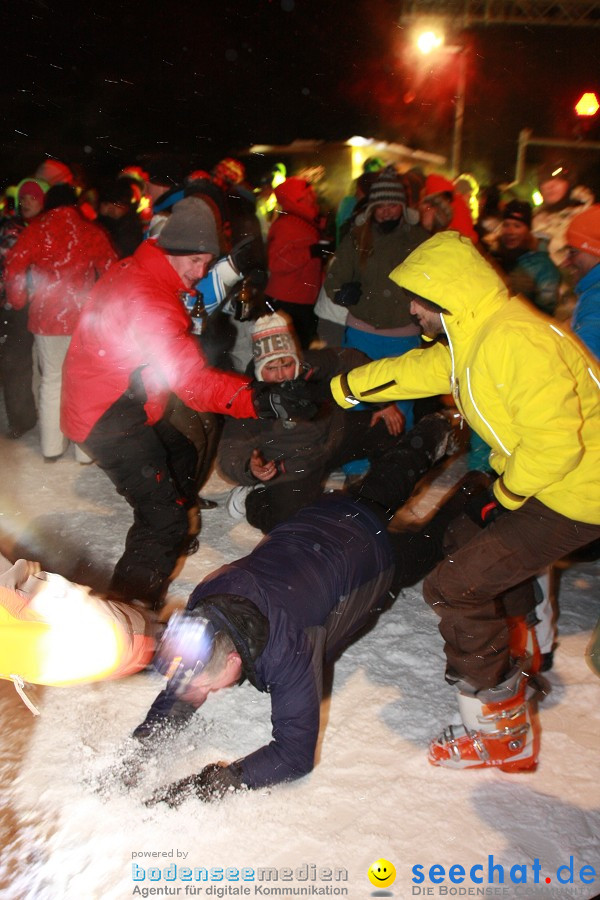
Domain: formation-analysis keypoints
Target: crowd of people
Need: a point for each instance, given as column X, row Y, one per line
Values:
column 158, row 330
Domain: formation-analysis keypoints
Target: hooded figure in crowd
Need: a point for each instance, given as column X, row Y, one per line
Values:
column 531, row 392
column 295, row 257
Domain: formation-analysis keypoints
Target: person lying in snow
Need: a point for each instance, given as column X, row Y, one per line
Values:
column 273, row 623
column 279, row 614
column 43, row 618
column 275, row 617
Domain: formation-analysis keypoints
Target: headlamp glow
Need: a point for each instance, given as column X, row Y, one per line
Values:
column 184, row 650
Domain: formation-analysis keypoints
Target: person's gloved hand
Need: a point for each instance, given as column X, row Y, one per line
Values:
column 483, row 507
column 243, row 255
column 212, row 783
column 258, row 278
column 287, row 400
column 322, row 250
column 349, row 294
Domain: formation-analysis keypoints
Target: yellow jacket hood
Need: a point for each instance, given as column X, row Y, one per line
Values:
column 449, row 271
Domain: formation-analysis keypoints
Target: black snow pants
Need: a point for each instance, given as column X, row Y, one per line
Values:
column 153, row 467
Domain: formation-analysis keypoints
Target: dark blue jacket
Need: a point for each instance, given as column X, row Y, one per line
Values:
column 295, row 577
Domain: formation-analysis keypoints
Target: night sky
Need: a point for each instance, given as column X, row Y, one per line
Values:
column 183, row 83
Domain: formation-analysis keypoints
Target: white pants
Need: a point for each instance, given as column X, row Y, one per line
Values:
column 51, row 351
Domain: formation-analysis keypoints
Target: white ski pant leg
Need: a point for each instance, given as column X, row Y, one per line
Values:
column 545, row 628
column 51, row 352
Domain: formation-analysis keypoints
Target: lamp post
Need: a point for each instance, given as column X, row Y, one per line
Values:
column 430, row 42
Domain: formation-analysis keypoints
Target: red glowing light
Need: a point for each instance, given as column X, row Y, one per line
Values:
column 587, row 105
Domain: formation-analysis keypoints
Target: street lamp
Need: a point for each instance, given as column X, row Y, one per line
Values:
column 431, row 42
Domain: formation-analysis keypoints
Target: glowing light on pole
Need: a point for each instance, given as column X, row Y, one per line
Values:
column 428, row 42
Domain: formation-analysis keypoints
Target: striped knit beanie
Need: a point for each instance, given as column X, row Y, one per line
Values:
column 272, row 338
column 388, row 187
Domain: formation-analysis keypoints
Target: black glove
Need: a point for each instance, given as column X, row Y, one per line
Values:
column 349, row 294
column 322, row 249
column 483, row 507
column 258, row 278
column 288, row 400
column 243, row 255
column 318, row 387
column 213, row 782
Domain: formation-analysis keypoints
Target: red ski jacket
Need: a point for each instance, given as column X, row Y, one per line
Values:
column 135, row 331
column 53, row 267
column 295, row 276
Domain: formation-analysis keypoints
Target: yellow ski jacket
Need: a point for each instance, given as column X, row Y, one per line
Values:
column 520, row 380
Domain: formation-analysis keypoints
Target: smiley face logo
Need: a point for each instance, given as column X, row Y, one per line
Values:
column 381, row 873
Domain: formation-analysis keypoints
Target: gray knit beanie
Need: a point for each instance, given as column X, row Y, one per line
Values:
column 190, row 229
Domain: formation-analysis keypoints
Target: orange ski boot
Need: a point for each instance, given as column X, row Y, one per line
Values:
column 499, row 729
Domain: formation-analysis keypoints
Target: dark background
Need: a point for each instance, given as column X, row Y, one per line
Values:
column 178, row 85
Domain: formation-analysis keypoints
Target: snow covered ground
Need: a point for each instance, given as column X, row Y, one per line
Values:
column 70, row 831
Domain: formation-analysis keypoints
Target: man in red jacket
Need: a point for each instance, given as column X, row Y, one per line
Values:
column 132, row 347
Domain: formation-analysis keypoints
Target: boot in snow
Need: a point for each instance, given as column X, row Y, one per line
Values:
column 499, row 729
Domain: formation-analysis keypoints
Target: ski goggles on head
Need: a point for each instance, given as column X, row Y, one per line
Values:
column 185, row 649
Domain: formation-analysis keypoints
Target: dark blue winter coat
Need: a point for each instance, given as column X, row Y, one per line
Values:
column 295, row 577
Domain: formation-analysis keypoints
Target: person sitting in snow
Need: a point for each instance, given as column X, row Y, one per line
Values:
column 280, row 469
